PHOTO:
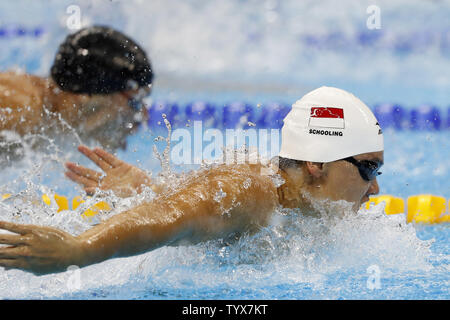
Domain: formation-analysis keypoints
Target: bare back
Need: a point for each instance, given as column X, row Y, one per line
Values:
column 21, row 102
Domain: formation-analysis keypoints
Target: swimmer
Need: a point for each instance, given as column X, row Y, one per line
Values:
column 313, row 167
column 97, row 83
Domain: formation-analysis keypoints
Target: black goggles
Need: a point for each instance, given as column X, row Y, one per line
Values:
column 368, row 169
column 136, row 101
column 136, row 104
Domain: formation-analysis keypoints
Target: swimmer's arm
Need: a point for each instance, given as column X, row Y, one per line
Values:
column 212, row 206
column 194, row 214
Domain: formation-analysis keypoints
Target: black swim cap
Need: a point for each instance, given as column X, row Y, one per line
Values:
column 100, row 60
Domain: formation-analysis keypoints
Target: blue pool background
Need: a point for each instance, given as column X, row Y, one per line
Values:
column 260, row 52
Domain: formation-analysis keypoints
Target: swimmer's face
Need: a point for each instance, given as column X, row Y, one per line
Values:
column 110, row 119
column 343, row 181
column 107, row 118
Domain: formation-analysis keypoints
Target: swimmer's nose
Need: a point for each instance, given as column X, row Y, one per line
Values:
column 145, row 113
column 374, row 188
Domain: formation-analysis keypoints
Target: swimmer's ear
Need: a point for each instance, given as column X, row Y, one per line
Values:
column 315, row 169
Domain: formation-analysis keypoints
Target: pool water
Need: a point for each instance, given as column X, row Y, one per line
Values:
column 365, row 256
column 295, row 257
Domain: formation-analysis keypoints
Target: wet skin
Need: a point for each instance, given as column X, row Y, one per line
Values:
column 189, row 213
column 23, row 98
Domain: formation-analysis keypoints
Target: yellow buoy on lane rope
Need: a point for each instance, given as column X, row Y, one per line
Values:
column 426, row 208
column 63, row 204
column 423, row 208
column 393, row 205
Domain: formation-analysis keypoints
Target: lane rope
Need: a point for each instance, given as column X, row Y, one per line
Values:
column 423, row 208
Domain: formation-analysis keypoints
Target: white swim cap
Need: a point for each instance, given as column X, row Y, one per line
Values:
column 329, row 124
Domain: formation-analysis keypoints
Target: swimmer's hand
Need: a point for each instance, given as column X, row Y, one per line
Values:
column 120, row 177
column 37, row 249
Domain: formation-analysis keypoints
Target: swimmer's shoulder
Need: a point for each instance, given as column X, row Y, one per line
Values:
column 21, row 90
column 242, row 173
column 244, row 168
column 22, row 81
column 22, row 100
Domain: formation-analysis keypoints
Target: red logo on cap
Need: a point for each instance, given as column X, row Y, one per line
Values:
column 326, row 117
column 323, row 112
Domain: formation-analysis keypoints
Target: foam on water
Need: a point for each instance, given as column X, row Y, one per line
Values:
column 295, row 250
column 292, row 250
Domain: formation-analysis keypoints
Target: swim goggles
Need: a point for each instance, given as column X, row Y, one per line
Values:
column 368, row 169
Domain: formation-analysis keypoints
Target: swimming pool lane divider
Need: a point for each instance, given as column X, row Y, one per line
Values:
column 19, row 31
column 423, row 208
column 245, row 115
column 62, row 203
